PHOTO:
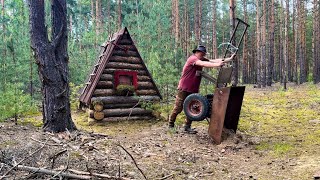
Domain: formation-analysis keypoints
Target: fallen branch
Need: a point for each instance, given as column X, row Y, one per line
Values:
column 2, row 177
column 133, row 108
column 44, row 142
column 53, row 158
column 134, row 161
column 51, row 172
column 165, row 177
column 96, row 174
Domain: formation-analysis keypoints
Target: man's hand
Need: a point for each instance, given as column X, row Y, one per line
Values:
column 220, row 62
column 230, row 58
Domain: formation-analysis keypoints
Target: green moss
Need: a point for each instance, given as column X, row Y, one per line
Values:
column 125, row 90
column 36, row 122
column 263, row 146
column 8, row 143
column 281, row 148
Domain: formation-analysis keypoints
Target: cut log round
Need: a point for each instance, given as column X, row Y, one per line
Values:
column 103, row 92
column 126, row 112
column 105, row 84
column 112, row 70
column 106, row 77
column 146, row 92
column 131, row 60
column 117, row 65
column 124, row 100
column 98, row 107
column 126, row 118
column 98, row 115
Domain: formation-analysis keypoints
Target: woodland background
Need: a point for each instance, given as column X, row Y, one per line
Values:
column 282, row 43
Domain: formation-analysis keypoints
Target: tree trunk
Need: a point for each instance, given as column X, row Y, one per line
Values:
column 234, row 77
column 52, row 61
column 245, row 51
column 258, row 63
column 302, row 55
column 185, row 28
column 289, row 57
column 295, row 37
column 199, row 21
column 314, row 44
column 271, row 46
column 4, row 55
column 214, row 29
column 176, row 31
column 93, row 19
column 285, row 45
column 98, row 17
column 119, row 15
column 196, row 21
column 263, row 45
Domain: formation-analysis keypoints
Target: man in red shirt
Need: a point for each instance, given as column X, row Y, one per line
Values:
column 189, row 82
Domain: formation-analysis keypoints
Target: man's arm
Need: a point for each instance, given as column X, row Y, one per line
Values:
column 225, row 60
column 209, row 64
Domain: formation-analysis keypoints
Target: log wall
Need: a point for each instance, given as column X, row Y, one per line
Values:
column 125, row 57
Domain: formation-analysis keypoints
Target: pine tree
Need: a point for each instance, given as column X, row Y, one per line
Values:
column 52, row 61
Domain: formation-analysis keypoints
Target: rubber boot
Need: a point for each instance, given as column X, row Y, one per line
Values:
column 189, row 130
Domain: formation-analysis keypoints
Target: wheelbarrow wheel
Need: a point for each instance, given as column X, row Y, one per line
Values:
column 196, row 107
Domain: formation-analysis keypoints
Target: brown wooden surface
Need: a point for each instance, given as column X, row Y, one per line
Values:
column 112, row 70
column 131, row 60
column 106, row 77
column 98, row 115
column 143, row 78
column 125, row 105
column 98, row 107
column 128, row 47
column 145, row 85
column 125, row 112
column 146, row 92
column 105, row 84
column 123, row 99
column 125, row 53
column 125, row 118
column 121, row 66
column 103, row 92
column 219, row 107
column 125, row 42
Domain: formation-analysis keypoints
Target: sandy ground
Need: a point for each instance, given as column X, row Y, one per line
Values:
column 159, row 153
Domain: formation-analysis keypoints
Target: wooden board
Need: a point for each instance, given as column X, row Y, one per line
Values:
column 218, row 112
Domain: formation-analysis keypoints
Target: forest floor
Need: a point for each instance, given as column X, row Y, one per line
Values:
column 278, row 138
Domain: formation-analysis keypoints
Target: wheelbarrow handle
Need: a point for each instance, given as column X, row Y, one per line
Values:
column 243, row 22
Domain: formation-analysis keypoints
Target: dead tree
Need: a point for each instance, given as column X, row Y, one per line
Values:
column 52, row 60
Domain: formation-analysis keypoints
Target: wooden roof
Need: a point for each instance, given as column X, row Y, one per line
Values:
column 108, row 49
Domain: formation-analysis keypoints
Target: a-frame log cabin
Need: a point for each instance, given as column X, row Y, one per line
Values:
column 120, row 82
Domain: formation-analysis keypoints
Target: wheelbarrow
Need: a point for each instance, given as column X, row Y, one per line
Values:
column 222, row 108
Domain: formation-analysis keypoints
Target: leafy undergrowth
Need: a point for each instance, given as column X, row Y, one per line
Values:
column 277, row 138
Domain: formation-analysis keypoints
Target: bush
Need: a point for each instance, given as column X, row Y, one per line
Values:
column 15, row 102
